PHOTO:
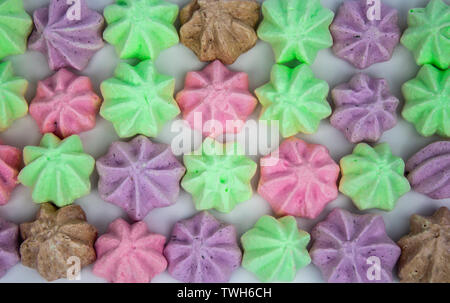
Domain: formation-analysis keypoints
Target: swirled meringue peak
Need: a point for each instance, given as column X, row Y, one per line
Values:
column 9, row 246
column 301, row 181
column 217, row 95
column 427, row 35
column 67, row 38
column 65, row 104
column 129, row 253
column 203, row 250
column 15, row 26
column 141, row 29
column 346, row 246
column 10, row 163
column 429, row 170
column 139, row 175
column 363, row 38
column 364, row 108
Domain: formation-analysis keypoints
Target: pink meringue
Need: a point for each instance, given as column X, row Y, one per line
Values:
column 299, row 179
column 219, row 96
column 129, row 253
column 65, row 104
column 10, row 161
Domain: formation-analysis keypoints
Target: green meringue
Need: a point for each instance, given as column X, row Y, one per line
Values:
column 427, row 101
column 296, row 29
column 141, row 29
column 428, row 34
column 138, row 100
column 218, row 176
column 57, row 171
column 294, row 98
column 12, row 102
column 275, row 249
column 373, row 177
column 15, row 26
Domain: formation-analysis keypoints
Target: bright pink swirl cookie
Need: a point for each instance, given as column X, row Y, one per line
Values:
column 298, row 179
column 217, row 95
column 10, row 161
column 65, row 104
column 129, row 253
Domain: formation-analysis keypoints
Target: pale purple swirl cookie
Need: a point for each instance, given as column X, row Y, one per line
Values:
column 429, row 170
column 364, row 108
column 9, row 246
column 365, row 34
column 139, row 175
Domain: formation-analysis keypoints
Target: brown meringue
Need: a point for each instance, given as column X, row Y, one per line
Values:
column 54, row 237
column 219, row 29
column 426, row 249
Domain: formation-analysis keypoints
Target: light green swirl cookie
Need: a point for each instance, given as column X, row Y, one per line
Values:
column 141, row 28
column 15, row 26
column 373, row 177
column 12, row 102
column 428, row 34
column 295, row 98
column 138, row 100
column 57, row 171
column 296, row 29
column 427, row 101
column 218, row 176
column 275, row 249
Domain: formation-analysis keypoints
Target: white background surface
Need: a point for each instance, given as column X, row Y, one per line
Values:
column 178, row 60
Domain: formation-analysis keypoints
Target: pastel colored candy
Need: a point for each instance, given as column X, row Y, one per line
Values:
column 57, row 171
column 9, row 244
column 219, row 29
column 219, row 97
column 427, row 35
column 294, row 98
column 426, row 249
column 218, row 176
column 364, row 108
column 56, row 240
column 10, row 164
column 365, row 33
column 429, row 170
column 298, row 179
column 129, row 253
column 203, row 250
column 139, row 175
column 68, row 38
column 65, row 104
column 427, row 100
column 373, row 177
column 346, row 247
column 15, row 26
column 138, row 100
column 296, row 29
column 12, row 90
column 274, row 249
column 141, row 29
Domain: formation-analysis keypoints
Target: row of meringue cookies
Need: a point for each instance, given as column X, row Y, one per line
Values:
column 81, row 165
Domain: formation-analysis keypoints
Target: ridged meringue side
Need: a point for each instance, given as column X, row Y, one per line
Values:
column 67, row 42
column 9, row 246
column 203, row 250
column 364, row 108
column 346, row 246
column 10, row 164
column 129, row 253
column 139, row 175
column 429, row 170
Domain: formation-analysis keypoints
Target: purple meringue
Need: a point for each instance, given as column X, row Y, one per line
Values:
column 353, row 248
column 364, row 108
column 429, row 170
column 66, row 38
column 139, row 175
column 203, row 250
column 361, row 41
column 9, row 253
